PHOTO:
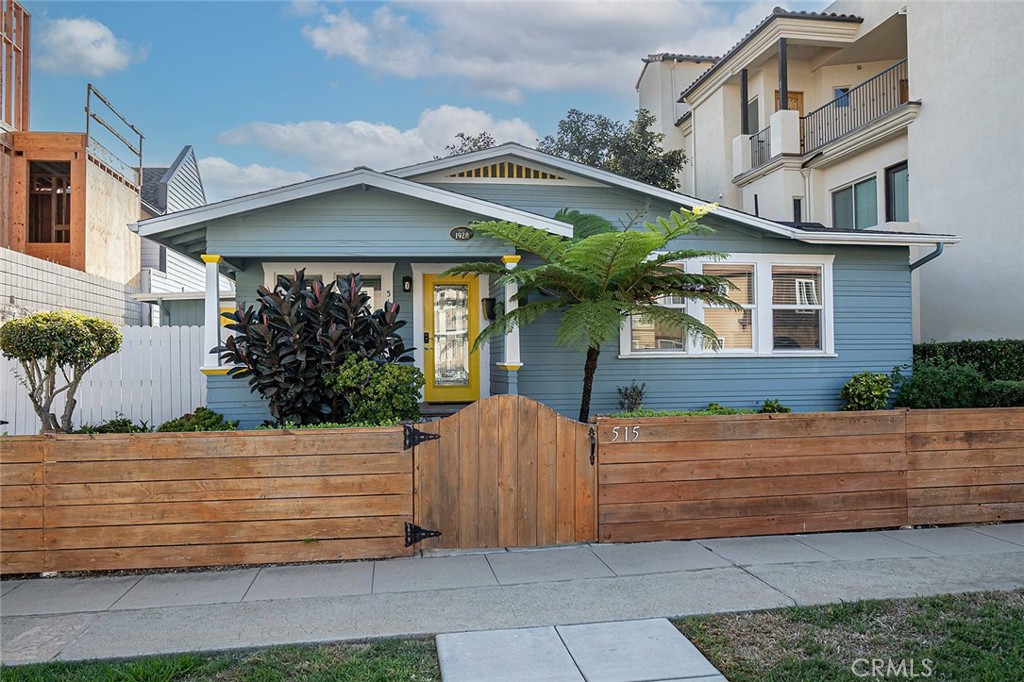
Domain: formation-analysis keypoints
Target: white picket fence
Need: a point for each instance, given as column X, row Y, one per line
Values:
column 154, row 377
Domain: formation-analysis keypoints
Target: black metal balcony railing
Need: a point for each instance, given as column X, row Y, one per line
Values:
column 760, row 147
column 863, row 104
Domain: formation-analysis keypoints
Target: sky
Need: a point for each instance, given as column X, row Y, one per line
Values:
column 270, row 93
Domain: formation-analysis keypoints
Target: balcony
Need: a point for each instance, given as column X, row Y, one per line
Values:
column 760, row 147
column 862, row 105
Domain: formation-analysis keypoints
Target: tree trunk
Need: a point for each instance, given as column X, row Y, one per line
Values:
column 589, row 369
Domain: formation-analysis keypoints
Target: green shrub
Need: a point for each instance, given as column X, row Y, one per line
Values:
column 300, row 333
column 774, row 406
column 377, row 393
column 631, row 397
column 711, row 410
column 1002, row 359
column 119, row 424
column 200, row 420
column 867, row 391
column 939, row 384
column 1004, row 394
column 54, row 345
column 288, row 426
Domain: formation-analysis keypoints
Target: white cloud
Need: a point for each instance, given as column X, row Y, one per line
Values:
column 501, row 49
column 85, row 47
column 333, row 146
column 224, row 180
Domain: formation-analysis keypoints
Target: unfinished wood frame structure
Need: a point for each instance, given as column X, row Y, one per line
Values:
column 15, row 33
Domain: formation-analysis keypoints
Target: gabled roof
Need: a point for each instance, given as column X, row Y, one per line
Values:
column 777, row 13
column 811, row 236
column 197, row 217
column 157, row 179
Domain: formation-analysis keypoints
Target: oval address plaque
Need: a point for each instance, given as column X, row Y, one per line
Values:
column 461, row 233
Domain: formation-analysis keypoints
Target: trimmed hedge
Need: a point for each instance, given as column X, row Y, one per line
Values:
column 1002, row 359
column 1005, row 394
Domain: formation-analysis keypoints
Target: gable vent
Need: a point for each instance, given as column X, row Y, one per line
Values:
column 506, row 169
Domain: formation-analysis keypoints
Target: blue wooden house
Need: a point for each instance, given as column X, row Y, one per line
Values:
column 818, row 304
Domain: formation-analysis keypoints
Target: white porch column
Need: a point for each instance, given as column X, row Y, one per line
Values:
column 511, row 361
column 211, row 315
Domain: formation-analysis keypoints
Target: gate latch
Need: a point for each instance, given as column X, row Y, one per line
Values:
column 593, row 445
column 414, row 534
column 411, row 436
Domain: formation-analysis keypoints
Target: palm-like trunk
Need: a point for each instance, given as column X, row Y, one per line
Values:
column 589, row 369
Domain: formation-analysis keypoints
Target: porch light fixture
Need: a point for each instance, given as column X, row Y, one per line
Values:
column 407, row 283
column 490, row 307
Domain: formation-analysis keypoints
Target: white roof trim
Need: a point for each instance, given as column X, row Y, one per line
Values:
column 361, row 176
column 825, row 236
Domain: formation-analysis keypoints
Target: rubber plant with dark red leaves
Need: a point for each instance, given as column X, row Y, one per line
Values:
column 300, row 332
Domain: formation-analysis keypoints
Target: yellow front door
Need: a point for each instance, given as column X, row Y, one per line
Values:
column 451, row 321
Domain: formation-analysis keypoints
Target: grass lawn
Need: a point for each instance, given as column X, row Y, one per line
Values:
column 964, row 637
column 402, row 660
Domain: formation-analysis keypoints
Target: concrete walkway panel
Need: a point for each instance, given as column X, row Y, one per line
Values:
column 855, row 546
column 1007, row 532
column 769, row 549
column 535, row 654
column 65, row 595
column 439, row 573
column 952, row 541
column 186, row 589
column 34, row 639
column 644, row 558
column 317, row 580
column 634, row 651
column 550, row 565
column 8, row 585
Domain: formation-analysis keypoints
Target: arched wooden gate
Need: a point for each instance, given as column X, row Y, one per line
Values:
column 505, row 471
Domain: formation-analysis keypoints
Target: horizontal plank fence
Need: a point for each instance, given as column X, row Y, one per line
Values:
column 965, row 467
column 700, row 477
column 137, row 501
column 153, row 378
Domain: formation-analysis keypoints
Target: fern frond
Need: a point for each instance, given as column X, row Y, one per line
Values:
column 539, row 242
column 584, row 224
column 520, row 317
column 590, row 324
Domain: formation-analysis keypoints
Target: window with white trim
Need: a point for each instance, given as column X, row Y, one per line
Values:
column 378, row 278
column 785, row 309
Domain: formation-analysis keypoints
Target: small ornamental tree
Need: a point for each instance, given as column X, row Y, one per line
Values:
column 55, row 350
column 301, row 333
column 600, row 278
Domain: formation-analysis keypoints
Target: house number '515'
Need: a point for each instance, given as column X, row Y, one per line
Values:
column 626, row 434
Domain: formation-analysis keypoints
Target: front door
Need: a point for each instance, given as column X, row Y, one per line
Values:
column 796, row 101
column 451, row 322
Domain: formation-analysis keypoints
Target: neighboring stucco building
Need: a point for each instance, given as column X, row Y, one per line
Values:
column 819, row 304
column 895, row 116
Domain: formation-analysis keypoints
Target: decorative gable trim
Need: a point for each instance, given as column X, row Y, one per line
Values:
column 505, row 170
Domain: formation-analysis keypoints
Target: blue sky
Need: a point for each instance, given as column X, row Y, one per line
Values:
column 274, row 92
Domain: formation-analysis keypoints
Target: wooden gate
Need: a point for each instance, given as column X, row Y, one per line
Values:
column 505, row 472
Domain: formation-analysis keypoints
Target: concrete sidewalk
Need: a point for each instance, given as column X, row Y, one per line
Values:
column 105, row 617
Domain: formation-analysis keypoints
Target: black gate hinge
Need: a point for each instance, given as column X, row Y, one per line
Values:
column 414, row 534
column 593, row 445
column 411, row 436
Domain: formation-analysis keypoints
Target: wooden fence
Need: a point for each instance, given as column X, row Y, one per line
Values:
column 506, row 472
column 154, row 377
column 136, row 501
column 699, row 477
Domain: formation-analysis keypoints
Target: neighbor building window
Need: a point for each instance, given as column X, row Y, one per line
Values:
column 897, row 193
column 841, row 96
column 785, row 309
column 753, row 115
column 856, row 205
column 49, row 202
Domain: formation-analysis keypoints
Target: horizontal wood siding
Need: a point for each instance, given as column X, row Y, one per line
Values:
column 351, row 223
column 184, row 500
column 700, row 477
column 965, row 465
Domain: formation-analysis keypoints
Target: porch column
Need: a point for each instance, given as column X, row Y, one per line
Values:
column 783, row 76
column 511, row 362
column 211, row 315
